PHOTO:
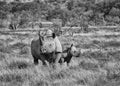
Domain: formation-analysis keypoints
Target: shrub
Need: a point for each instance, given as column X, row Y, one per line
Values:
column 24, row 50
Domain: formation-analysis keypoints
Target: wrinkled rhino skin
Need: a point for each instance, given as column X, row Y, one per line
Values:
column 35, row 51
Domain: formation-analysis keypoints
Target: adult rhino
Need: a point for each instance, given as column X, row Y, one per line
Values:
column 38, row 52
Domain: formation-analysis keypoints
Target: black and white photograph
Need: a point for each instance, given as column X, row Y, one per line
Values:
column 59, row 42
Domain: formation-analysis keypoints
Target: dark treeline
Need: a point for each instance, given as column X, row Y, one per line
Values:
column 71, row 12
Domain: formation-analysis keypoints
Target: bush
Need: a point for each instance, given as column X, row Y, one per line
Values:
column 25, row 50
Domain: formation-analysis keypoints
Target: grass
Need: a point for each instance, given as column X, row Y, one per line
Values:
column 2, row 56
column 25, row 50
column 93, row 68
column 18, row 45
column 89, row 66
column 15, row 77
column 39, row 83
column 4, row 49
column 19, row 65
column 11, row 77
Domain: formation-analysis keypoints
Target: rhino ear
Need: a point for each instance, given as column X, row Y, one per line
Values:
column 71, row 45
column 53, row 35
column 39, row 32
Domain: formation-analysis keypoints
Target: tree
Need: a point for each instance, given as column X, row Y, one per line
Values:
column 4, row 10
column 106, row 6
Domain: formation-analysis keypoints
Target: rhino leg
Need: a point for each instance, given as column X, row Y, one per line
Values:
column 61, row 61
column 44, row 62
column 42, row 58
column 36, row 61
column 68, row 64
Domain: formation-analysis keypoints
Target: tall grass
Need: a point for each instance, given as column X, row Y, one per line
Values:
column 92, row 68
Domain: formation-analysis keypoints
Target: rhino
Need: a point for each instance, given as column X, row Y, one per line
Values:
column 36, row 46
column 68, row 53
column 37, row 52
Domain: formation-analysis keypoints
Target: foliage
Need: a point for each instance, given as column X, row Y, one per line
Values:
column 95, row 12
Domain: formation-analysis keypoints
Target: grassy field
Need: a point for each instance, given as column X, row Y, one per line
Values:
column 98, row 65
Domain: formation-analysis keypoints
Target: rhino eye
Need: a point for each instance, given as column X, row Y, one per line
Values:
column 74, row 51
